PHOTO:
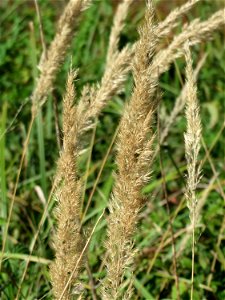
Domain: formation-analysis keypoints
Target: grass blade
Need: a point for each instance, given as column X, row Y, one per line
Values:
column 2, row 165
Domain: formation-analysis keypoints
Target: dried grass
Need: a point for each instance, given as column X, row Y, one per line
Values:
column 68, row 240
column 171, row 21
column 134, row 151
column 192, row 139
column 55, row 55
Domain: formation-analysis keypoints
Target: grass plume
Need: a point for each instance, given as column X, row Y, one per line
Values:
column 167, row 25
column 55, row 55
column 118, row 25
column 192, row 139
column 134, row 151
column 68, row 240
column 196, row 32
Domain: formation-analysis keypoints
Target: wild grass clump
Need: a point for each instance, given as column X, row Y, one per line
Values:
column 114, row 262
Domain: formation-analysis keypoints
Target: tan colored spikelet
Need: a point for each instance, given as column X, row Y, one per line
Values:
column 192, row 136
column 166, row 26
column 118, row 64
column 192, row 139
column 195, row 33
column 179, row 103
column 93, row 100
column 68, row 240
column 57, row 51
column 134, row 151
column 118, row 24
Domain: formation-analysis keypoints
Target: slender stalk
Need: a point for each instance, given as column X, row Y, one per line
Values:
column 39, row 120
column 193, row 258
column 26, row 257
column 99, row 174
column 3, row 194
column 168, row 212
column 15, row 188
column 68, row 239
column 40, row 224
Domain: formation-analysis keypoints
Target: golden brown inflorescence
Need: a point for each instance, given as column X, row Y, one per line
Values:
column 134, row 152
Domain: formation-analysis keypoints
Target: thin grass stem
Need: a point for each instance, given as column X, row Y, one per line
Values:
column 15, row 187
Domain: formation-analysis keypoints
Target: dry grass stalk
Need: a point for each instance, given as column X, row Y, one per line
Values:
column 195, row 33
column 192, row 139
column 134, row 154
column 167, row 25
column 57, row 51
column 68, row 241
column 118, row 25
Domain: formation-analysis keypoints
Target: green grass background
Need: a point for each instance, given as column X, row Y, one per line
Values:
column 20, row 50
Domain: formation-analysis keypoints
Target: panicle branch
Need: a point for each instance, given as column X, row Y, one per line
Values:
column 55, row 55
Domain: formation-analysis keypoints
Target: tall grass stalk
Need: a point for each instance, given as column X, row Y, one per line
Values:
column 68, row 240
column 39, row 119
column 192, row 139
column 165, row 194
column 134, row 151
column 5, row 235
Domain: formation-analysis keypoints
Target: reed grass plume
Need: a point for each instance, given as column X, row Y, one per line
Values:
column 192, row 139
column 179, row 103
column 196, row 32
column 171, row 21
column 94, row 99
column 134, row 151
column 192, row 135
column 118, row 25
column 117, row 67
column 55, row 55
column 68, row 240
